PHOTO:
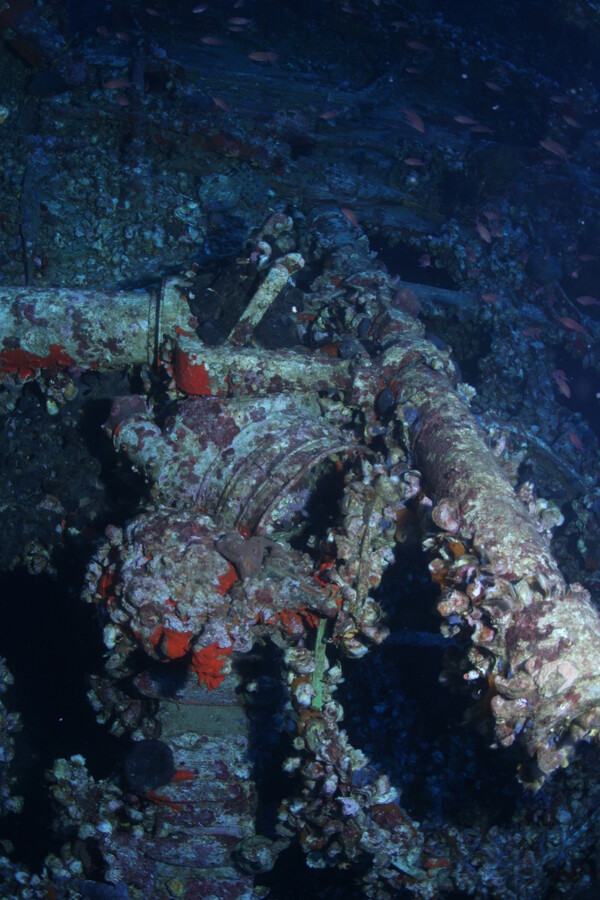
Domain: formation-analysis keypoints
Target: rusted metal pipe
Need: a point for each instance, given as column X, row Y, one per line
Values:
column 59, row 327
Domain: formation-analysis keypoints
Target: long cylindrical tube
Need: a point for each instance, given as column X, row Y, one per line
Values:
column 58, row 327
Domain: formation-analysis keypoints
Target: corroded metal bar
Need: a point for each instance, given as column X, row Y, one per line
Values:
column 277, row 278
column 202, row 371
column 456, row 461
column 537, row 642
column 59, row 327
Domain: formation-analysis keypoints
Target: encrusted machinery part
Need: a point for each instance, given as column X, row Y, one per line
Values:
column 209, row 570
column 175, row 824
column 533, row 638
column 57, row 328
column 235, row 459
column 209, row 808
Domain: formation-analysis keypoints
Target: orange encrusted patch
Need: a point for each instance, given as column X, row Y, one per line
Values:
column 191, row 377
column 207, row 664
column 106, row 587
column 183, row 333
column 161, row 800
column 226, row 580
column 311, row 618
column 26, row 365
column 176, row 643
column 294, row 620
column 155, row 636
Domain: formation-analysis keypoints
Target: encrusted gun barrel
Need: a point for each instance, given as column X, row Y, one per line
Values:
column 53, row 328
column 535, row 641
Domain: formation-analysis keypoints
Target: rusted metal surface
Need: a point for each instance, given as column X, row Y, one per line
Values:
column 180, row 839
column 201, row 819
column 56, row 328
column 235, row 459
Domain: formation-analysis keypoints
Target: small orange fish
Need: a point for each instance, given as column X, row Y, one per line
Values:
column 587, row 257
column 220, row 104
column 559, row 98
column 413, row 161
column 465, row 120
column 102, row 30
column 494, row 87
column 483, row 232
column 239, row 20
column 161, row 800
column 425, row 261
column 417, row 45
column 533, row 331
column 413, row 70
column 414, row 120
column 211, row 41
column 491, row 298
column 122, row 36
column 120, row 100
column 328, row 114
column 568, row 322
column 116, row 84
column 350, row 215
column 555, row 148
column 588, row 301
column 151, row 11
column 572, row 121
column 481, row 129
column 562, row 382
column 182, row 775
column 576, row 441
column 264, row 56
column 491, row 215
column 200, row 8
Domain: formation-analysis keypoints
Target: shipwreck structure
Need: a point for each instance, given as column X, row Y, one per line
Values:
column 227, row 556
column 267, row 268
